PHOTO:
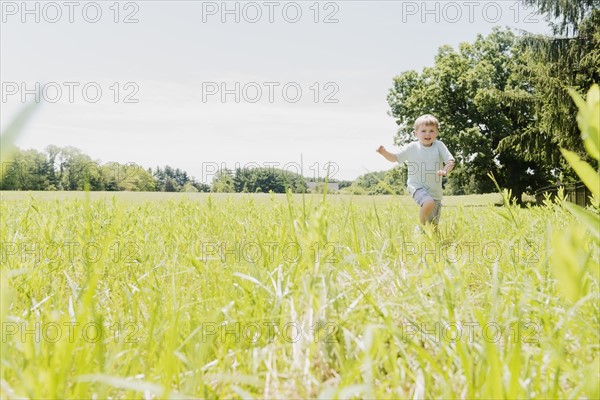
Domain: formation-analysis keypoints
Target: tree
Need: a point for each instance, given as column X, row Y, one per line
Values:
column 199, row 186
column 392, row 181
column 171, row 179
column 73, row 170
column 466, row 90
column 553, row 64
column 569, row 13
column 223, row 182
column 68, row 168
column 264, row 180
column 29, row 170
column 128, row 177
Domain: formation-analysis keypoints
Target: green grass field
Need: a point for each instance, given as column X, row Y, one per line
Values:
column 139, row 295
column 140, row 197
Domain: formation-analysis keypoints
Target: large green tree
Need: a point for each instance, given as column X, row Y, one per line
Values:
column 564, row 16
column 570, row 58
column 466, row 89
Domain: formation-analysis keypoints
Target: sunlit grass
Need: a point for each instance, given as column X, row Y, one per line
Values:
column 288, row 296
column 130, row 197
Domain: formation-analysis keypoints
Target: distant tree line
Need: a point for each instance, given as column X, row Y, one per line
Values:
column 258, row 180
column 68, row 168
column 392, row 181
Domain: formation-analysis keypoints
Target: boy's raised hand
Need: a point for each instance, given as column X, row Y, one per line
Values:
column 386, row 154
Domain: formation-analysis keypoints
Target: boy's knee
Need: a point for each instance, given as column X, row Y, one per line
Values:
column 428, row 205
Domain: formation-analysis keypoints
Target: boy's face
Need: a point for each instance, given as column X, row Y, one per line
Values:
column 426, row 134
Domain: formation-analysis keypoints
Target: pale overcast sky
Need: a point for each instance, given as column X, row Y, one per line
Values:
column 306, row 87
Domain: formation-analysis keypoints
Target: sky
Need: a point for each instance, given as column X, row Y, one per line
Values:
column 202, row 85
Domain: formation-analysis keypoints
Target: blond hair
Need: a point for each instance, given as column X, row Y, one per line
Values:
column 426, row 119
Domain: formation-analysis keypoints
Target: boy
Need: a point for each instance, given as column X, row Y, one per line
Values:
column 425, row 158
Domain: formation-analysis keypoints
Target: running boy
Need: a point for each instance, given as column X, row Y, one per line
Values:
column 428, row 160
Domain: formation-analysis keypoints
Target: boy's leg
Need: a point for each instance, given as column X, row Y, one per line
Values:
column 426, row 202
column 434, row 216
column 426, row 211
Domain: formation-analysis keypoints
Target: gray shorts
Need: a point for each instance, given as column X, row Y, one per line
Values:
column 421, row 196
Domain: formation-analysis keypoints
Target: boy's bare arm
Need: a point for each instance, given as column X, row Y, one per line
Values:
column 386, row 154
column 447, row 168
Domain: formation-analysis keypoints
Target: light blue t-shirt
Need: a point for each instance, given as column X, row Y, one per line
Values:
column 423, row 164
